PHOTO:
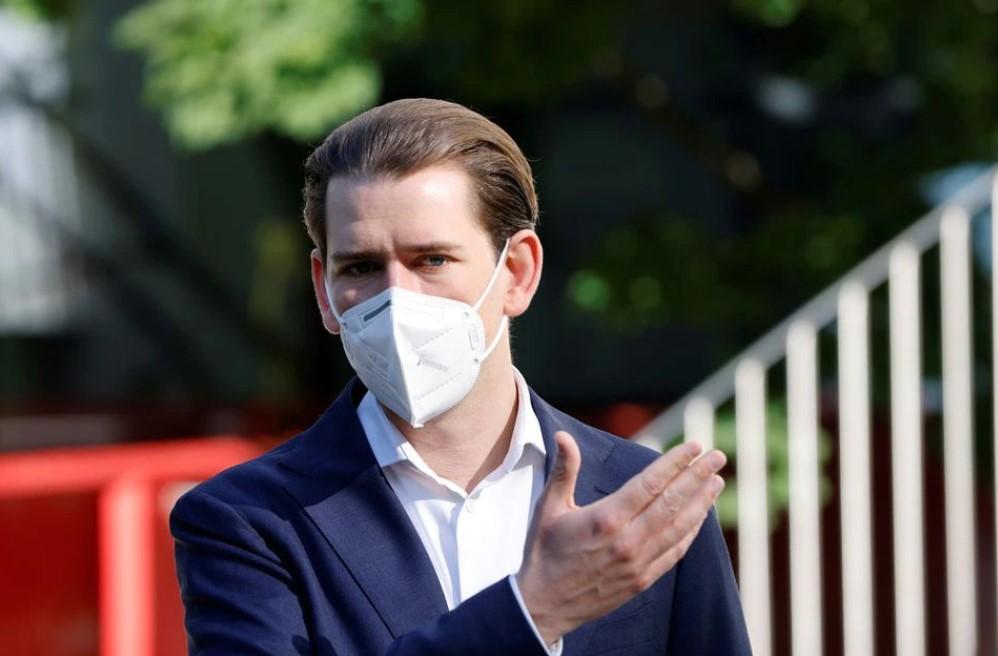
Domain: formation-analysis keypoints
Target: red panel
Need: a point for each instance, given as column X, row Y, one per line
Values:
column 86, row 559
column 48, row 566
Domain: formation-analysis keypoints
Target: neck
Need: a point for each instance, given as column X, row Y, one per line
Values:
column 470, row 440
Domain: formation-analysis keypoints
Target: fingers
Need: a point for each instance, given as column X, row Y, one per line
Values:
column 684, row 525
column 692, row 491
column 645, row 487
column 667, row 560
column 561, row 483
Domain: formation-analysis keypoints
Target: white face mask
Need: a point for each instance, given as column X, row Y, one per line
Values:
column 418, row 354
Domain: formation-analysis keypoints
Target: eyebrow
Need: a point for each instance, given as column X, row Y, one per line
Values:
column 427, row 247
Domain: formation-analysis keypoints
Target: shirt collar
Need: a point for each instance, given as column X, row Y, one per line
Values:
column 390, row 447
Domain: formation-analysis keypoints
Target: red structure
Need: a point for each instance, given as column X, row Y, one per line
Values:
column 86, row 560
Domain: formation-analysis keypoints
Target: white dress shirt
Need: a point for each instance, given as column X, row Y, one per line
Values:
column 473, row 539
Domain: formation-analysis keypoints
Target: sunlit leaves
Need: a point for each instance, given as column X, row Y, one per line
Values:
column 222, row 70
column 42, row 9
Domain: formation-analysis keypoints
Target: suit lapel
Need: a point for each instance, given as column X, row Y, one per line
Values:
column 595, row 450
column 347, row 496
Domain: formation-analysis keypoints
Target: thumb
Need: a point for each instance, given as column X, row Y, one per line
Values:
column 561, row 484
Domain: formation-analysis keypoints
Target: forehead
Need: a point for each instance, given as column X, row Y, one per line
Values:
column 377, row 212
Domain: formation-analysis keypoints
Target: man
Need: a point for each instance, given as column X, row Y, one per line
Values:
column 439, row 506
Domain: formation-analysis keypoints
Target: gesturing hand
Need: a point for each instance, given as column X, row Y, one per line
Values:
column 581, row 563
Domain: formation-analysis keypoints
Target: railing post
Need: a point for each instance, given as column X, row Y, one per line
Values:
column 698, row 423
column 753, row 507
column 906, row 450
column 958, row 432
column 126, row 567
column 805, row 529
column 854, row 469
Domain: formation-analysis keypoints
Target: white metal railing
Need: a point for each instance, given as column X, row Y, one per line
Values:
column 846, row 302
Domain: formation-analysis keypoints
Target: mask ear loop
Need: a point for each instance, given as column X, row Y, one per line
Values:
column 495, row 276
column 481, row 299
column 495, row 340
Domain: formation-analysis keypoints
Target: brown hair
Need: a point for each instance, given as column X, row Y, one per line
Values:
column 405, row 136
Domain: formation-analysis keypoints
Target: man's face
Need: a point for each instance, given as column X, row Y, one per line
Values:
column 419, row 232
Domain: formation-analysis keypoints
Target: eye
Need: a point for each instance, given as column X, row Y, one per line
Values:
column 361, row 268
column 435, row 261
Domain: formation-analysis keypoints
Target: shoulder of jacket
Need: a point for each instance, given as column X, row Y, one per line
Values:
column 618, row 457
column 257, row 481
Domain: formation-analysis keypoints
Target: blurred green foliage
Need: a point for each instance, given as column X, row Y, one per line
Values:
column 661, row 270
column 815, row 117
column 876, row 93
column 805, row 126
column 41, row 9
column 224, row 70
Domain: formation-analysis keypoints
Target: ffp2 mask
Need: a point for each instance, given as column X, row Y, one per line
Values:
column 418, row 354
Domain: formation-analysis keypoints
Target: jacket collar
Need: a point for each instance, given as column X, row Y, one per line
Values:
column 345, row 493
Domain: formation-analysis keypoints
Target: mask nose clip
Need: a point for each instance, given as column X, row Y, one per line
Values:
column 378, row 310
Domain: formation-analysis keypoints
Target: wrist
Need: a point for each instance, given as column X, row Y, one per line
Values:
column 546, row 621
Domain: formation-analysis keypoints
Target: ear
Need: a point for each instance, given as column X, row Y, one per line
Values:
column 321, row 297
column 524, row 261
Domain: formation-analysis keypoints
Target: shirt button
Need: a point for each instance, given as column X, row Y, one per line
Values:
column 469, row 505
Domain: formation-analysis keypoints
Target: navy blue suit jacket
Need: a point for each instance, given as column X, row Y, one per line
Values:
column 306, row 550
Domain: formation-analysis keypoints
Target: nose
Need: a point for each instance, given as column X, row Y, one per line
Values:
column 397, row 275
column 392, row 274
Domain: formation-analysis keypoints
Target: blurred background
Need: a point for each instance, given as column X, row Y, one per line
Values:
column 703, row 172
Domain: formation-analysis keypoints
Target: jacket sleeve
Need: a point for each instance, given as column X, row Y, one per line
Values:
column 240, row 599
column 707, row 614
column 489, row 622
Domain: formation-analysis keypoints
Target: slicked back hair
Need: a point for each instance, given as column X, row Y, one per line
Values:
column 406, row 136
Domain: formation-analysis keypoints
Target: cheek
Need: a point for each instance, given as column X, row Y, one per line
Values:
column 454, row 281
